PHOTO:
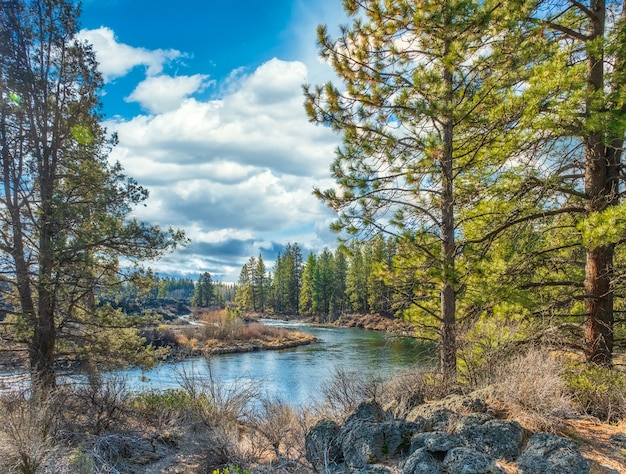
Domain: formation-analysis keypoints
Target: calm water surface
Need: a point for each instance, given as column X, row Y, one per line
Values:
column 295, row 375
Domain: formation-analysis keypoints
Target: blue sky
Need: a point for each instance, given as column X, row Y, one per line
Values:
column 206, row 99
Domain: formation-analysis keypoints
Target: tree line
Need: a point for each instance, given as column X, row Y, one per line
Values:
column 350, row 279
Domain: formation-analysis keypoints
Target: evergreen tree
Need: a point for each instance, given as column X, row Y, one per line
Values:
column 244, row 292
column 67, row 208
column 340, row 301
column 423, row 100
column 307, row 291
column 324, row 285
column 260, row 284
column 204, row 294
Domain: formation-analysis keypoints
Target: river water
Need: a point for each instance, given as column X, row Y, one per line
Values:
column 294, row 375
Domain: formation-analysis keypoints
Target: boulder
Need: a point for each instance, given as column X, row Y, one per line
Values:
column 546, row 453
column 322, row 445
column 365, row 442
column 374, row 469
column 368, row 411
column 439, row 442
column 437, row 419
column 468, row 461
column 459, row 404
column 369, row 435
column 421, row 462
column 500, row 439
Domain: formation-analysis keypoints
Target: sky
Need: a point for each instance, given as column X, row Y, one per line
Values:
column 206, row 99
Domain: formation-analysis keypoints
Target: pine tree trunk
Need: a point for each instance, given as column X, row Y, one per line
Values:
column 448, row 292
column 600, row 192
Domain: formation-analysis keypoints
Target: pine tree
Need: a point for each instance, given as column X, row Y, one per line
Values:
column 67, row 208
column 423, row 99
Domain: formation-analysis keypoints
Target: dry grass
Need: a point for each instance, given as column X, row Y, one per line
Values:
column 219, row 332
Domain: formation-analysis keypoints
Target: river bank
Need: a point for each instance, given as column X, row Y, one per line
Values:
column 216, row 332
column 369, row 321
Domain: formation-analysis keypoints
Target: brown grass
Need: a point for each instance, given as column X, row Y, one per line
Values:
column 220, row 332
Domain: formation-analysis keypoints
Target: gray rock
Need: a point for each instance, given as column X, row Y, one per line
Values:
column 418, row 441
column 439, row 419
column 365, row 442
column 322, row 445
column 546, row 453
column 468, row 461
column 458, row 404
column 619, row 440
column 439, row 442
column 368, row 411
column 421, row 462
column 499, row 439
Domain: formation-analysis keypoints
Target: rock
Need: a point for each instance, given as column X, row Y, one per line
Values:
column 619, row 440
column 459, row 404
column 369, row 436
column 374, row 469
column 407, row 402
column 546, row 453
column 418, row 441
column 468, row 461
column 437, row 419
column 439, row 442
column 364, row 442
column 499, row 439
column 322, row 445
column 367, row 411
column 421, row 462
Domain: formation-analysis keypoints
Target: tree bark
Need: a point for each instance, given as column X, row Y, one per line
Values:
column 448, row 293
column 600, row 193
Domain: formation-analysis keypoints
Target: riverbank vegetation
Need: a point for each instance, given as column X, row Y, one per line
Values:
column 204, row 425
column 222, row 332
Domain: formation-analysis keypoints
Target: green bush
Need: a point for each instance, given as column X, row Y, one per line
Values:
column 163, row 406
column 599, row 391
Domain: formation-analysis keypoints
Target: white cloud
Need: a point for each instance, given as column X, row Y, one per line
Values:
column 158, row 94
column 117, row 59
column 236, row 172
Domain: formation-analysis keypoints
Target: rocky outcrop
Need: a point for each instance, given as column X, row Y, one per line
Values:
column 546, row 453
column 435, row 440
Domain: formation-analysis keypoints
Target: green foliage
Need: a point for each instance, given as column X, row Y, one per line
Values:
column 204, row 293
column 170, row 403
column 69, row 206
column 599, row 391
column 81, row 461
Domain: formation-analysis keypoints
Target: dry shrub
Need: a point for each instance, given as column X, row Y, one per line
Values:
column 96, row 406
column 277, row 432
column 27, row 433
column 227, row 408
column 252, row 331
column 532, row 385
column 346, row 389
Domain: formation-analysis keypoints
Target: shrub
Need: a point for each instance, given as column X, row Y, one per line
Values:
column 164, row 407
column 346, row 389
column 598, row 391
column 533, row 381
column 27, row 433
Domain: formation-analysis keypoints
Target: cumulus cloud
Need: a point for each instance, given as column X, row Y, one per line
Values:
column 159, row 94
column 235, row 171
column 117, row 59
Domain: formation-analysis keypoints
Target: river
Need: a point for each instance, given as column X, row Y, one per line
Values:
column 294, row 375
